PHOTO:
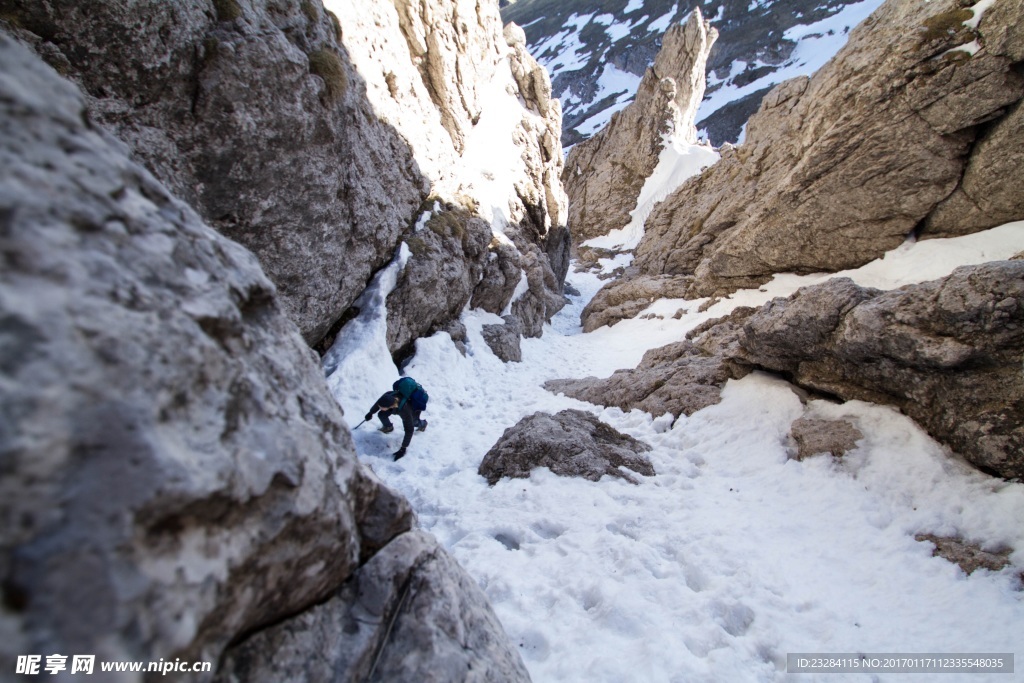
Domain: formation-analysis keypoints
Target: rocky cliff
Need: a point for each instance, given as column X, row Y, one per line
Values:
column 318, row 140
column 946, row 352
column 906, row 132
column 604, row 175
column 893, row 137
column 598, row 50
column 178, row 482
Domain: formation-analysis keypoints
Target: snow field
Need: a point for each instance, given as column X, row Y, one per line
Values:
column 733, row 555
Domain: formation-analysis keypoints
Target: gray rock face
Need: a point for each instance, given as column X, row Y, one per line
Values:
column 254, row 114
column 314, row 141
column 447, row 262
column 947, row 353
column 626, row 297
column 504, row 339
column 604, row 175
column 571, row 443
column 816, row 437
column 409, row 614
column 436, row 97
column 680, row 378
column 176, row 474
column 840, row 168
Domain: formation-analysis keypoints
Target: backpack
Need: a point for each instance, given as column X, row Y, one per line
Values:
column 410, row 390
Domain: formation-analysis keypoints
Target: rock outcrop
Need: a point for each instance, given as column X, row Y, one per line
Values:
column 571, row 443
column 448, row 259
column 679, row 379
column 253, row 113
column 176, row 474
column 946, row 352
column 393, row 616
column 626, row 297
column 314, row 141
column 897, row 134
column 604, row 175
column 815, row 436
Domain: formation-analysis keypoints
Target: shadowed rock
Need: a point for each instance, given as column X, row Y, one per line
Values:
column 504, row 339
column 571, row 443
column 411, row 604
column 176, row 475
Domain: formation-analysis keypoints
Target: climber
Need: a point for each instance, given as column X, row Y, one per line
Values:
column 407, row 404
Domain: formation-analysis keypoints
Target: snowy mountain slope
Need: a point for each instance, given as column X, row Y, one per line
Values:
column 732, row 555
column 597, row 50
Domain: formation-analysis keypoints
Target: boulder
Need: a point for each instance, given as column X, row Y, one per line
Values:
column 840, row 168
column 679, row 378
column 946, row 352
column 177, row 477
column 815, row 437
column 603, row 176
column 571, row 443
column 409, row 614
column 448, row 255
column 504, row 339
column 968, row 556
column 626, row 297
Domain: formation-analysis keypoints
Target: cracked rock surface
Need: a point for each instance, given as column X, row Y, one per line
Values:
column 902, row 131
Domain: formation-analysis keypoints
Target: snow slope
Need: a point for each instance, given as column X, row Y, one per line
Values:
column 733, row 555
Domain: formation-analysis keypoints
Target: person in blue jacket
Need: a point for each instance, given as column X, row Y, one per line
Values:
column 391, row 404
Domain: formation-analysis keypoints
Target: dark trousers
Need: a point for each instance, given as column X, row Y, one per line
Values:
column 385, row 417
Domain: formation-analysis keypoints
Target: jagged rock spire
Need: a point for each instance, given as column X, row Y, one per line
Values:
column 604, row 175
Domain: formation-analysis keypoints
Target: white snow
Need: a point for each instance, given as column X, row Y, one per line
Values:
column 661, row 24
column 677, row 162
column 617, row 31
column 732, row 555
column 633, row 6
column 978, row 9
column 567, row 52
